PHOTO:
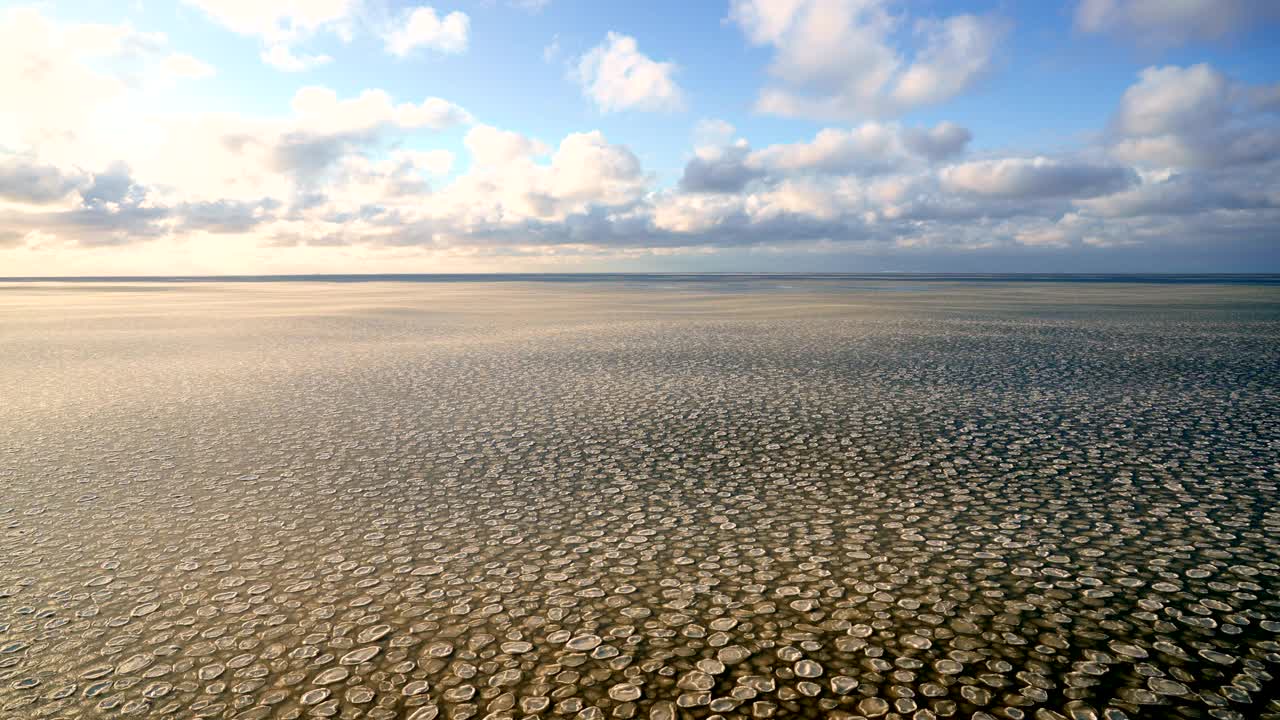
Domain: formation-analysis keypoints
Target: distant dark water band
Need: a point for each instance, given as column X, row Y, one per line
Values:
column 1156, row 279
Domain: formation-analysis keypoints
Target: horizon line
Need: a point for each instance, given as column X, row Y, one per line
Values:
column 500, row 276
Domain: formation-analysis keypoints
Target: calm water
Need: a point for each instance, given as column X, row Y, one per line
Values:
column 645, row 496
column 708, row 279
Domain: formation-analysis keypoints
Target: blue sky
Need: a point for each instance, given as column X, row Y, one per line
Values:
column 509, row 135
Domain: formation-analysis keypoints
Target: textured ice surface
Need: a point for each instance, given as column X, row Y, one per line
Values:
column 615, row 500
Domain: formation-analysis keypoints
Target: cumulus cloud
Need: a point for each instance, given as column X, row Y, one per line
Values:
column 274, row 19
column 1195, row 117
column 225, row 216
column 1178, row 195
column 185, row 66
column 284, row 26
column 955, row 52
column 588, row 168
column 1207, row 149
column 719, row 169
column 879, row 182
column 844, row 58
column 421, row 27
column 12, row 238
column 517, row 191
column 23, row 179
column 493, row 147
column 1169, row 22
column 693, row 212
column 280, row 25
column 57, row 76
column 332, row 160
column 943, row 141
column 283, row 58
column 432, row 162
column 713, row 132
column 320, row 110
column 92, row 209
column 1037, row 177
column 326, row 129
column 1189, row 156
column 616, row 76
column 867, row 149
column 1174, row 100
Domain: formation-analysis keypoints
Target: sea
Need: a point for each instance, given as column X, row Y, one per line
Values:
column 640, row 496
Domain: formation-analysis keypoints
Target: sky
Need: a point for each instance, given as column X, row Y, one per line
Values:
column 346, row 136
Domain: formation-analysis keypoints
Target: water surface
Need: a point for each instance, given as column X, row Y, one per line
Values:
column 675, row 496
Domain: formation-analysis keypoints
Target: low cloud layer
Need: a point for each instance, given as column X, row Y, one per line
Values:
column 1036, row 178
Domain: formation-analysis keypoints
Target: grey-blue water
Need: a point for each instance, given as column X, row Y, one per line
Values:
column 869, row 280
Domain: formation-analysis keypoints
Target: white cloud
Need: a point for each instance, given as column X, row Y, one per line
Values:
column 719, row 169
column 588, row 168
column 942, row 141
column 185, row 66
column 1170, row 22
column 283, row 58
column 276, row 20
column 89, row 163
column 492, row 147
column 25, row 180
column 805, row 199
column 66, row 84
column 713, row 132
column 874, row 183
column 334, row 160
column 695, row 213
column 1069, row 230
column 584, row 170
column 870, row 148
column 1194, row 117
column 617, row 76
column 320, row 110
column 1177, row 195
column 720, row 165
column 282, row 24
column 840, row 58
column 1174, row 100
column 434, row 162
column 331, row 173
column 421, row 27
column 1037, row 177
column 955, row 53
column 47, row 78
column 834, row 150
